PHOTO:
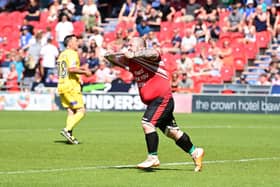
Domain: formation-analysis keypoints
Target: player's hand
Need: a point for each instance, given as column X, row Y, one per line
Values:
column 88, row 73
column 129, row 54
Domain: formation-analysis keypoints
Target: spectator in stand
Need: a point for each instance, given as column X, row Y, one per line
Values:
column 92, row 61
column 15, row 5
column 272, row 70
column 214, row 30
column 103, row 8
column 263, row 80
column 46, row 35
column 51, row 80
column 32, row 62
column 276, row 79
column 63, row 28
column 78, row 11
column 223, row 5
column 234, row 21
column 91, row 15
column 184, row 63
column 17, row 62
column 249, row 9
column 5, row 65
column 3, row 4
column 151, row 39
column 225, row 53
column 144, row 13
column 28, row 26
column 12, row 79
column 188, row 42
column 140, row 5
column 33, row 11
column 175, row 41
column 154, row 20
column 143, row 28
column 264, row 4
column 166, row 11
column 192, row 10
column 127, row 11
column 65, row 9
column 274, row 21
column 209, row 12
column 48, row 54
column 242, row 79
column 261, row 19
column 96, row 36
column 104, row 75
column 119, row 41
column 200, row 31
column 93, row 47
column 53, row 11
column 249, row 31
column 25, row 37
column 186, row 84
column 175, row 81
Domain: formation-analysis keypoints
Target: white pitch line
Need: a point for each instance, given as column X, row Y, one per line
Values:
column 130, row 166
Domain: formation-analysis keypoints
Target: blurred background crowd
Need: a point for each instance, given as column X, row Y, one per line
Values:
column 222, row 41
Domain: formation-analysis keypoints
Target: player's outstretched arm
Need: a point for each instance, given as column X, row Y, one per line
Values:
column 117, row 59
column 147, row 53
column 80, row 70
column 150, row 55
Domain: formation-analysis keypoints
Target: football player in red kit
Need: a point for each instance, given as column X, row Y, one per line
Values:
column 155, row 91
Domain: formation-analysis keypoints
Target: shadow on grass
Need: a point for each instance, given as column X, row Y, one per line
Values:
column 64, row 142
column 147, row 170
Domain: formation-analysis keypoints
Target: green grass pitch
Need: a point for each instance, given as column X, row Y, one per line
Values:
column 241, row 150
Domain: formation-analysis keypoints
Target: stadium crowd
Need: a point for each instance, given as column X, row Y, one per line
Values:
column 200, row 41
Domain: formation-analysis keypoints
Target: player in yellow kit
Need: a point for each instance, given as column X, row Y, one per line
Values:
column 69, row 87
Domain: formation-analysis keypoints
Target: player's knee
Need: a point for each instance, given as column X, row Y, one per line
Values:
column 173, row 132
column 82, row 110
column 148, row 128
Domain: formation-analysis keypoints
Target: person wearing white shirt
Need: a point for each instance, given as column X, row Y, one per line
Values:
column 63, row 29
column 91, row 15
column 49, row 53
column 188, row 42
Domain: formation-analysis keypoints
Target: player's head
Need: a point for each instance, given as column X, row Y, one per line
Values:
column 70, row 42
column 137, row 43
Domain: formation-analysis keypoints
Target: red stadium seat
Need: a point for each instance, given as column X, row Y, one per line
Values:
column 263, row 39
column 109, row 37
column 79, row 28
column 227, row 72
column 239, row 63
column 251, row 50
column 170, row 62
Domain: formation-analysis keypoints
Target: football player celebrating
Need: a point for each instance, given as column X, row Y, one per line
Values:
column 155, row 91
column 69, row 87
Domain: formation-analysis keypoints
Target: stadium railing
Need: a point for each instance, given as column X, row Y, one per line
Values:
column 243, row 89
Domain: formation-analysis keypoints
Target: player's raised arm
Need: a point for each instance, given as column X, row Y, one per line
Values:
column 147, row 53
column 117, row 59
column 139, row 51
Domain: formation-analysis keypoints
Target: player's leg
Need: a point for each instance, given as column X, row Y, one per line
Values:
column 151, row 138
column 65, row 131
column 149, row 121
column 76, row 105
column 76, row 111
column 168, row 126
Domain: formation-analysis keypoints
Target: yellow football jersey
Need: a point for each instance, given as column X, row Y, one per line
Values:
column 68, row 82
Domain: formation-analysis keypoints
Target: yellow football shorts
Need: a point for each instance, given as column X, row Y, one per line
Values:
column 72, row 100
